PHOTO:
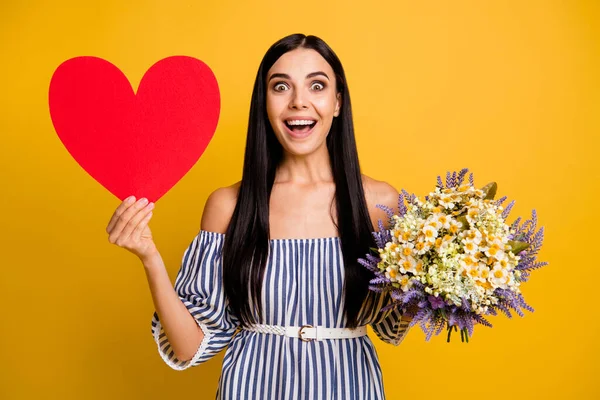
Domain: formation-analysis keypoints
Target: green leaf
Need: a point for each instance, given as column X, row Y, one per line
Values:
column 517, row 246
column 443, row 313
column 463, row 220
column 489, row 190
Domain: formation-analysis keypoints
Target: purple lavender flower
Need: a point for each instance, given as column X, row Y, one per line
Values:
column 436, row 302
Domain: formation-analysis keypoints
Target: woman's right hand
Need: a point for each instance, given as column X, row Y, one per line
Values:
column 128, row 227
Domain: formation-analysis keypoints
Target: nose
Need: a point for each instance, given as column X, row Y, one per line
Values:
column 298, row 100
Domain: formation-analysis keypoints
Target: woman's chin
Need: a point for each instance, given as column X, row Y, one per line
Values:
column 303, row 147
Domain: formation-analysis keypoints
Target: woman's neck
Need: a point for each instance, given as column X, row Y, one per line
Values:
column 305, row 169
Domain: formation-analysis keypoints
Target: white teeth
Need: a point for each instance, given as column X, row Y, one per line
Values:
column 300, row 122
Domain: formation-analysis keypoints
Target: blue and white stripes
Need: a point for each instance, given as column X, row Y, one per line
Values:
column 303, row 285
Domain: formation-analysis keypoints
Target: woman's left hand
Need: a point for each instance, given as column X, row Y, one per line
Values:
column 410, row 312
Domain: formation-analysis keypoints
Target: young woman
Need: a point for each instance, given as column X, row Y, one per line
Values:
column 272, row 274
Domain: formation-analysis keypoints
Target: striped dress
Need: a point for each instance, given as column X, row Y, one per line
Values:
column 302, row 285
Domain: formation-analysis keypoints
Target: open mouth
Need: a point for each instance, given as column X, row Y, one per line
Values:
column 300, row 128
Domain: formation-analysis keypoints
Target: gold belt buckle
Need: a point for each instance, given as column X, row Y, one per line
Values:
column 300, row 333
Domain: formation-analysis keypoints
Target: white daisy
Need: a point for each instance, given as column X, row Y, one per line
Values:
column 430, row 233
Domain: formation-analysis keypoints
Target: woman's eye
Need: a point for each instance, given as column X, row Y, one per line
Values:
column 317, row 86
column 280, row 87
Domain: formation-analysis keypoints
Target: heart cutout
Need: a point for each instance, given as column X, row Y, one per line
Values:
column 135, row 144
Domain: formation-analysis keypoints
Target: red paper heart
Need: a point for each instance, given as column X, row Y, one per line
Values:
column 135, row 144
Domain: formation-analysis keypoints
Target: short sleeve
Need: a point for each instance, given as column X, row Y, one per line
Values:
column 199, row 284
column 388, row 325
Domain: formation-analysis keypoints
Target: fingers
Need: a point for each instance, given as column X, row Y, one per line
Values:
column 123, row 218
column 139, row 229
column 122, row 207
column 135, row 221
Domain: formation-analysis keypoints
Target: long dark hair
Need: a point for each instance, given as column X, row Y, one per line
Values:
column 246, row 246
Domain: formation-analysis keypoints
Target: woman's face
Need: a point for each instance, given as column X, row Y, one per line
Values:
column 301, row 100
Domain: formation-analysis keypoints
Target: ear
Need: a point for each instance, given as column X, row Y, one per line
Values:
column 338, row 105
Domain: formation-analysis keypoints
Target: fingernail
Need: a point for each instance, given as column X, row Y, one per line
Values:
column 143, row 201
column 130, row 199
column 150, row 206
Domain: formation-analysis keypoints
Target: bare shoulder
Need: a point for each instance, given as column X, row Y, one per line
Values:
column 379, row 192
column 219, row 208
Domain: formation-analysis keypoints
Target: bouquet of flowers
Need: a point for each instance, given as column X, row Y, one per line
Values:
column 451, row 259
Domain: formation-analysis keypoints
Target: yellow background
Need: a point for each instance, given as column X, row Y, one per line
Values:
column 509, row 89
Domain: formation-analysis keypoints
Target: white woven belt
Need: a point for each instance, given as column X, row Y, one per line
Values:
column 308, row 333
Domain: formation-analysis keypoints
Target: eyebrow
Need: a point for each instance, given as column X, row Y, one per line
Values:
column 311, row 75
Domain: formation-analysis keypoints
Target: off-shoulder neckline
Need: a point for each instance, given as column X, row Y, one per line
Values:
column 281, row 240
